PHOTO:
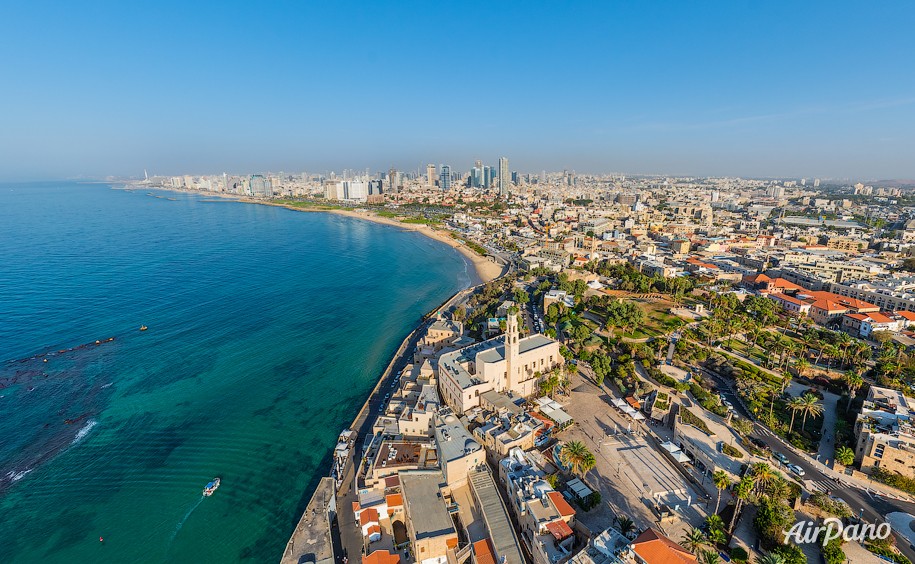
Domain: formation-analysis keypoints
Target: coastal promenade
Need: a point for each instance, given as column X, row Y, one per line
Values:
column 345, row 537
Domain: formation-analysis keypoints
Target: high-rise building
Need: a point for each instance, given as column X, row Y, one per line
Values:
column 504, row 177
column 444, row 178
column 257, row 185
column 476, row 175
column 487, row 177
column 430, row 175
column 355, row 189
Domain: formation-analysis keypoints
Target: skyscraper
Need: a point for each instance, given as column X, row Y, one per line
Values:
column 476, row 175
column 430, row 174
column 504, row 177
column 444, row 179
column 487, row 177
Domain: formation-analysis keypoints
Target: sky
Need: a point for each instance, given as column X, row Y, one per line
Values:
column 757, row 89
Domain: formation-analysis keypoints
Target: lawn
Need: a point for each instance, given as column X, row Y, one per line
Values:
column 658, row 320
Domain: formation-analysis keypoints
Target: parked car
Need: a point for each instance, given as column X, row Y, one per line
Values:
column 796, row 469
column 781, row 457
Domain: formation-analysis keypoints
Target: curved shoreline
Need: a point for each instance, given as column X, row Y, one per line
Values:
column 485, row 269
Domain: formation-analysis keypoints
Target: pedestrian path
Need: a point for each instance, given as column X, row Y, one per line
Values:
column 824, row 486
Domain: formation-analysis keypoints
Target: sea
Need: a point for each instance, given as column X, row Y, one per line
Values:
column 266, row 330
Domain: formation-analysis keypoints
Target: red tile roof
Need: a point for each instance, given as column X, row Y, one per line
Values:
column 381, row 557
column 483, row 552
column 559, row 529
column 562, row 506
column 394, row 500
column 655, row 548
column 827, row 301
column 369, row 515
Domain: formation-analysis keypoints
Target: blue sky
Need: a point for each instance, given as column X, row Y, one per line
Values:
column 740, row 88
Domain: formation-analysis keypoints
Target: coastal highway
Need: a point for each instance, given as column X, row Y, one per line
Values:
column 869, row 505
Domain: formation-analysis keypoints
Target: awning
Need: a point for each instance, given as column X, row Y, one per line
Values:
column 680, row 456
column 619, row 403
column 670, row 447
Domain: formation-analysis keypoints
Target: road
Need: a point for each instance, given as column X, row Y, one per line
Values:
column 871, row 506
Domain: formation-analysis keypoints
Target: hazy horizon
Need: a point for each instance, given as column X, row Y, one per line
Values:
column 717, row 89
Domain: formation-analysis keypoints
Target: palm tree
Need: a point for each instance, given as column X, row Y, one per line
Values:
column 810, row 405
column 831, row 352
column 778, row 488
column 577, row 457
column 717, row 537
column 861, row 353
column 763, row 475
column 709, row 557
column 626, row 525
column 842, row 344
column 743, row 490
column 802, row 365
column 795, row 405
column 771, row 558
column 853, row 381
column 722, row 482
column 714, row 522
column 692, row 540
column 845, row 456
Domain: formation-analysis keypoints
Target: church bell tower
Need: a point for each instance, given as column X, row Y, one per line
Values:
column 512, row 362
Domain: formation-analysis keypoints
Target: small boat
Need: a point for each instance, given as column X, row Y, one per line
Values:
column 211, row 487
column 143, row 327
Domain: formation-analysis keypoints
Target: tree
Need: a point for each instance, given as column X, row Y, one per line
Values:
column 763, row 475
column 709, row 557
column 577, row 457
column 742, row 492
column 717, row 537
column 845, row 456
column 853, row 381
column 692, row 540
column 802, row 366
column 521, row 296
column 742, row 426
column 771, row 558
column 810, row 405
column 795, row 405
column 626, row 525
column 459, row 313
column 722, row 482
column 790, row 554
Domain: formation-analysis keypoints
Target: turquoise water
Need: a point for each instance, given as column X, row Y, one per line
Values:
column 267, row 329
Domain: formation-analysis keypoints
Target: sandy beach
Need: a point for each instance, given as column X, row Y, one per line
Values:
column 486, row 269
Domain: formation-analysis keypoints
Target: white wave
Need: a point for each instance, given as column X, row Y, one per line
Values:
column 81, row 434
column 106, row 385
column 16, row 476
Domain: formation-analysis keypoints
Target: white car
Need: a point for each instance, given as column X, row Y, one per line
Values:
column 796, row 469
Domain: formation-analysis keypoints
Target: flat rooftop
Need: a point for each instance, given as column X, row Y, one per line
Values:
column 424, row 504
column 453, row 440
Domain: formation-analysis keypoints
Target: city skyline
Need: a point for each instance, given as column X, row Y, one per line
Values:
column 816, row 90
